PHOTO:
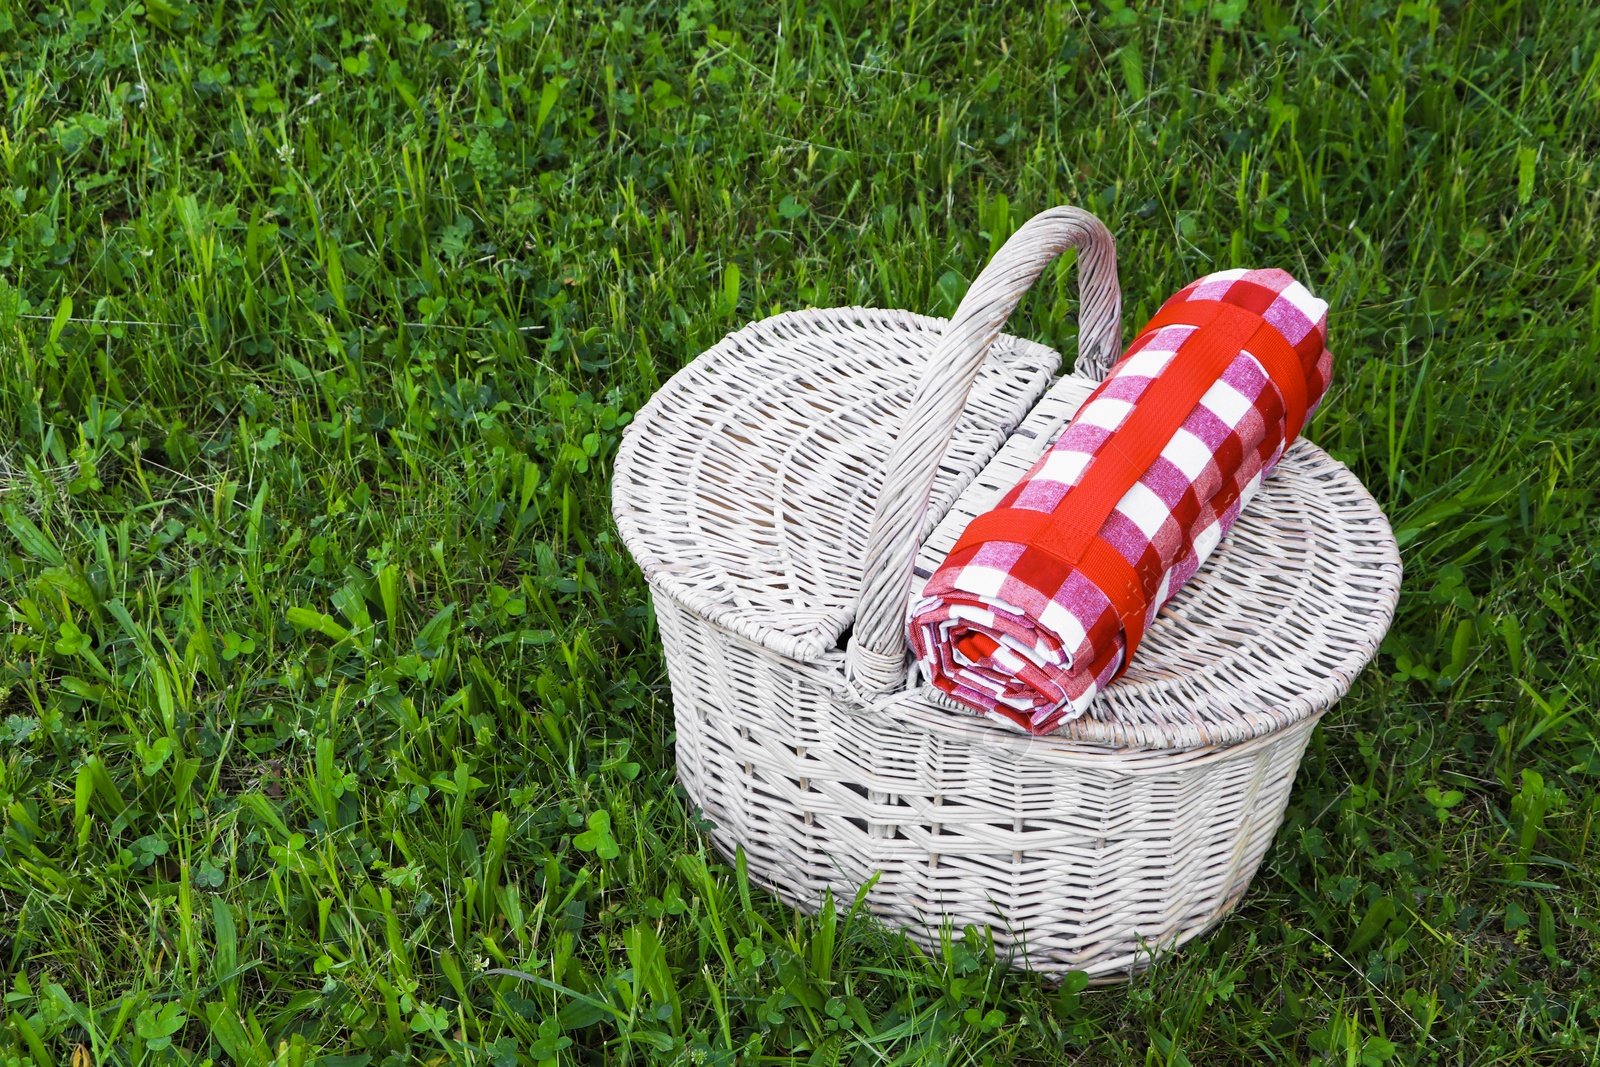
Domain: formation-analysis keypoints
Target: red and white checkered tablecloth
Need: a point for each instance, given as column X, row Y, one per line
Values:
column 1019, row 629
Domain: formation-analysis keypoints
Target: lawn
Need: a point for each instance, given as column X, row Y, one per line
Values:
column 335, row 726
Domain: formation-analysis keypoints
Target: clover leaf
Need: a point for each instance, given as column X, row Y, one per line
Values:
column 597, row 838
column 157, row 1028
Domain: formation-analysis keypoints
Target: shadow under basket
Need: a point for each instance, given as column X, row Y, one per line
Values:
column 798, row 482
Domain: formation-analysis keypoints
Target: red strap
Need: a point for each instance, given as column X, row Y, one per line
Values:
column 1161, row 409
column 1071, row 534
column 1129, row 596
column 1275, row 354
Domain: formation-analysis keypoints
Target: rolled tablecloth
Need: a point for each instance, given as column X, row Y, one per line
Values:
column 1043, row 600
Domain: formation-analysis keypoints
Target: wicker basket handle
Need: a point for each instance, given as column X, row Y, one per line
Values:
column 877, row 651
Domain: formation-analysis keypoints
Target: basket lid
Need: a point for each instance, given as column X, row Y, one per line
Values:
column 745, row 487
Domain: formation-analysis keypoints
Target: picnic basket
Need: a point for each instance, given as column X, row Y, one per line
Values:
column 788, row 492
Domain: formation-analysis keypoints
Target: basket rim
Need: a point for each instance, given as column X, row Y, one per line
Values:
column 1131, row 746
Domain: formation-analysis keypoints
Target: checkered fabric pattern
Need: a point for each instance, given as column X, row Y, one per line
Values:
column 1022, row 636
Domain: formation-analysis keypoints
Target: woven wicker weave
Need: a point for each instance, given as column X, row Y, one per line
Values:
column 792, row 487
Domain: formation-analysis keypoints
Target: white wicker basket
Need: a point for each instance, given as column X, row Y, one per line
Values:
column 790, row 489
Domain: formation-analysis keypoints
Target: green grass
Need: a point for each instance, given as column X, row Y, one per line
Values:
column 330, row 697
